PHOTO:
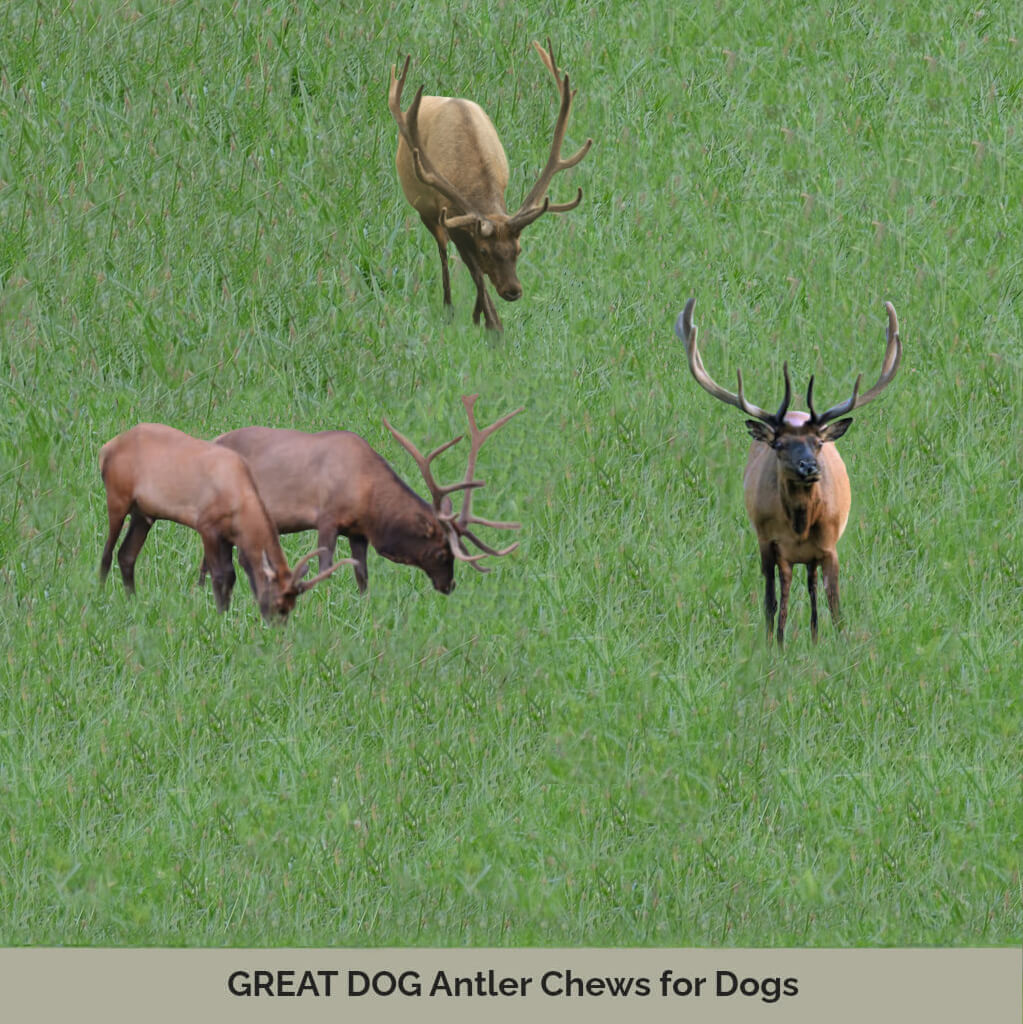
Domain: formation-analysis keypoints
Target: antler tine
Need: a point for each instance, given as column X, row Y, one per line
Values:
column 889, row 367
column 528, row 210
column 437, row 491
column 408, row 127
column 686, row 331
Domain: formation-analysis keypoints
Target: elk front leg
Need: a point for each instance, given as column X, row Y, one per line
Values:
column 359, row 545
column 484, row 303
column 811, row 587
column 220, row 563
column 785, row 580
column 768, row 561
column 138, row 530
column 829, row 570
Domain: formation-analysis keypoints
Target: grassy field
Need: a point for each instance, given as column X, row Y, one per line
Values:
column 200, row 224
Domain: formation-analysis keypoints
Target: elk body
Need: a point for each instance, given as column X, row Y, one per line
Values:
column 453, row 170
column 156, row 472
column 796, row 486
column 335, row 483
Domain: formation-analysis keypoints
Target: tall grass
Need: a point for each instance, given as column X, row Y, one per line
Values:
column 200, row 224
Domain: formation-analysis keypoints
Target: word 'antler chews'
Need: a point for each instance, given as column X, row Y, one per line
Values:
column 458, row 527
column 796, row 486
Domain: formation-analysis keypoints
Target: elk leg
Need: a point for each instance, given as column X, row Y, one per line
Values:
column 768, row 560
column 116, row 523
column 829, row 570
column 811, row 586
column 138, row 530
column 484, row 303
column 785, row 579
column 359, row 544
column 326, row 538
column 441, row 237
column 220, row 563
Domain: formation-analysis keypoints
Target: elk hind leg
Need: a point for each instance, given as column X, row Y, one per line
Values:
column 128, row 552
column 117, row 518
column 440, row 236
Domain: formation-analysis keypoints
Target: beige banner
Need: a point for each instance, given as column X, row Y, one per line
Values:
column 454, row 985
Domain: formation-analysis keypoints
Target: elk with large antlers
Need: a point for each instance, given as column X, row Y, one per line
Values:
column 453, row 170
column 796, row 487
column 156, row 472
column 335, row 483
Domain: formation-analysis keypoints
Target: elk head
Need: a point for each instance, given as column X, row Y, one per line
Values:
column 279, row 588
column 444, row 532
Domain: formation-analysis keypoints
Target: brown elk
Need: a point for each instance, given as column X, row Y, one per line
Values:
column 335, row 483
column 156, row 472
column 453, row 170
column 796, row 487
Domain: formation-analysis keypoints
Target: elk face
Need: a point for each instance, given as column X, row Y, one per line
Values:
column 798, row 446
column 276, row 600
column 498, row 248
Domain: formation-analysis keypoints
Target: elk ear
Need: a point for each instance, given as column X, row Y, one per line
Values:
column 268, row 570
column 833, row 431
column 760, row 431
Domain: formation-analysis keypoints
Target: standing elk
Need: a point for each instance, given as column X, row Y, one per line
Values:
column 335, row 483
column 454, row 172
column 156, row 472
column 795, row 484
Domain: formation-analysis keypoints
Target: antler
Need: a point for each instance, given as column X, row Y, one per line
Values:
column 408, row 127
column 686, row 331
column 531, row 207
column 437, row 492
column 889, row 366
column 300, row 569
column 459, row 527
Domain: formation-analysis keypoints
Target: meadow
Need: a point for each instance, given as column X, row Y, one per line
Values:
column 201, row 225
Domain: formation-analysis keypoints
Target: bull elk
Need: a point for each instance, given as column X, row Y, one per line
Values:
column 156, row 472
column 795, row 484
column 453, row 170
column 335, row 483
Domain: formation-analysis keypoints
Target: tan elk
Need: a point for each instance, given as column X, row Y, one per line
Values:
column 156, row 472
column 335, row 483
column 796, row 487
column 454, row 172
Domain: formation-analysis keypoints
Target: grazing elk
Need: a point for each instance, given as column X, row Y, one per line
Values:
column 454, row 172
column 335, row 483
column 796, row 487
column 156, row 472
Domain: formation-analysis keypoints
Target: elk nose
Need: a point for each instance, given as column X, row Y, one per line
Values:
column 808, row 468
column 512, row 293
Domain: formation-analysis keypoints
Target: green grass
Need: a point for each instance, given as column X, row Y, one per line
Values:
column 200, row 224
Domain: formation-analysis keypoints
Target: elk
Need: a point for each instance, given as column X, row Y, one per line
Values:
column 156, row 472
column 795, row 484
column 453, row 170
column 335, row 483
